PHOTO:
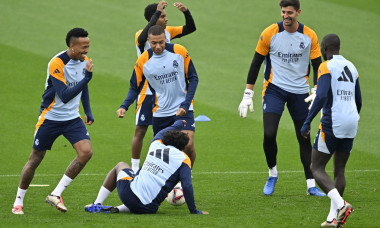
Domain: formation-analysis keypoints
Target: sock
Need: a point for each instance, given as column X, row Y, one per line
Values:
column 332, row 214
column 123, row 209
column 62, row 185
column 336, row 198
column 102, row 195
column 273, row 171
column 20, row 197
column 135, row 164
column 310, row 183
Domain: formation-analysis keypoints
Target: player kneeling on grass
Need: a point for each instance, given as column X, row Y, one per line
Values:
column 165, row 165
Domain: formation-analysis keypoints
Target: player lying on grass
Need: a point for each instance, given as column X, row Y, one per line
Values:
column 165, row 165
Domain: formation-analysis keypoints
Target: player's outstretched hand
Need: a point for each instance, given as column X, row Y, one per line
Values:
column 311, row 97
column 205, row 212
column 161, row 5
column 305, row 130
column 180, row 6
column 246, row 103
column 88, row 120
column 121, row 112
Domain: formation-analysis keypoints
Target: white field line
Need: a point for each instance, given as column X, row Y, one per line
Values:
column 202, row 173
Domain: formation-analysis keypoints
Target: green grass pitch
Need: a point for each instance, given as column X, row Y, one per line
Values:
column 230, row 170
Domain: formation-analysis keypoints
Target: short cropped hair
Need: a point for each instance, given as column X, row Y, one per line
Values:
column 75, row 33
column 156, row 30
column 150, row 10
column 178, row 139
column 295, row 3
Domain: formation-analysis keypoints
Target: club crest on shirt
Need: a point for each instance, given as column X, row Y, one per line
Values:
column 175, row 63
column 302, row 45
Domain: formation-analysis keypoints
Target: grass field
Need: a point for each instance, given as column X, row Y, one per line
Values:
column 230, row 169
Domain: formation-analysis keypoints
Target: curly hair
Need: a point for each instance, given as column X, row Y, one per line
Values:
column 75, row 33
column 178, row 139
column 150, row 10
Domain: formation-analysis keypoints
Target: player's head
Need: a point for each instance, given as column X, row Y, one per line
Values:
column 149, row 12
column 178, row 139
column 157, row 39
column 290, row 10
column 330, row 45
column 78, row 42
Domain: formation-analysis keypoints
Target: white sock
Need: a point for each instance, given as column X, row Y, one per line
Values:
column 123, row 209
column 135, row 164
column 20, row 197
column 62, row 185
column 273, row 171
column 336, row 198
column 102, row 195
column 310, row 183
column 332, row 213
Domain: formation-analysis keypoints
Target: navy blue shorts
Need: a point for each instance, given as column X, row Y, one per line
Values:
column 274, row 100
column 144, row 112
column 326, row 142
column 160, row 123
column 73, row 130
column 126, row 195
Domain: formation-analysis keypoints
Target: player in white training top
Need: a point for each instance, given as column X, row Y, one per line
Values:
column 164, row 166
column 68, row 74
column 338, row 93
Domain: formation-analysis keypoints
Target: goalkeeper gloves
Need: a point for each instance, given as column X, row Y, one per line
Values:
column 246, row 103
column 311, row 97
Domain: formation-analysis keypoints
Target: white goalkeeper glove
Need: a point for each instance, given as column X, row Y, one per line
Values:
column 311, row 97
column 246, row 103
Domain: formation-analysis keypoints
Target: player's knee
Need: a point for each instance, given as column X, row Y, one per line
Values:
column 85, row 154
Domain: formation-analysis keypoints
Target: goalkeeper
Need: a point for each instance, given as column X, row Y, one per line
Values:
column 287, row 48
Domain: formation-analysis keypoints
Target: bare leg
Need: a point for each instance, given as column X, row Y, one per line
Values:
column 137, row 141
column 318, row 168
column 84, row 153
column 30, row 167
column 340, row 161
column 110, row 181
column 190, row 149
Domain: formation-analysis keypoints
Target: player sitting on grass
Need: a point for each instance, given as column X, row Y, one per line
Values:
column 165, row 165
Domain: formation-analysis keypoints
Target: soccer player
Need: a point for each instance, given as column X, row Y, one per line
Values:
column 173, row 79
column 338, row 93
column 68, row 74
column 164, row 166
column 155, row 15
column 287, row 48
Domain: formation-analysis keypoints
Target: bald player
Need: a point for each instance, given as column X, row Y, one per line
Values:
column 338, row 93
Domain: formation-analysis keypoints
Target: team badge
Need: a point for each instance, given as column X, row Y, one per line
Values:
column 302, row 45
column 175, row 63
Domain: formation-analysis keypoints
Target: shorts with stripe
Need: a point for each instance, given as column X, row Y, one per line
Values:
column 326, row 142
column 274, row 99
column 73, row 130
column 126, row 195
